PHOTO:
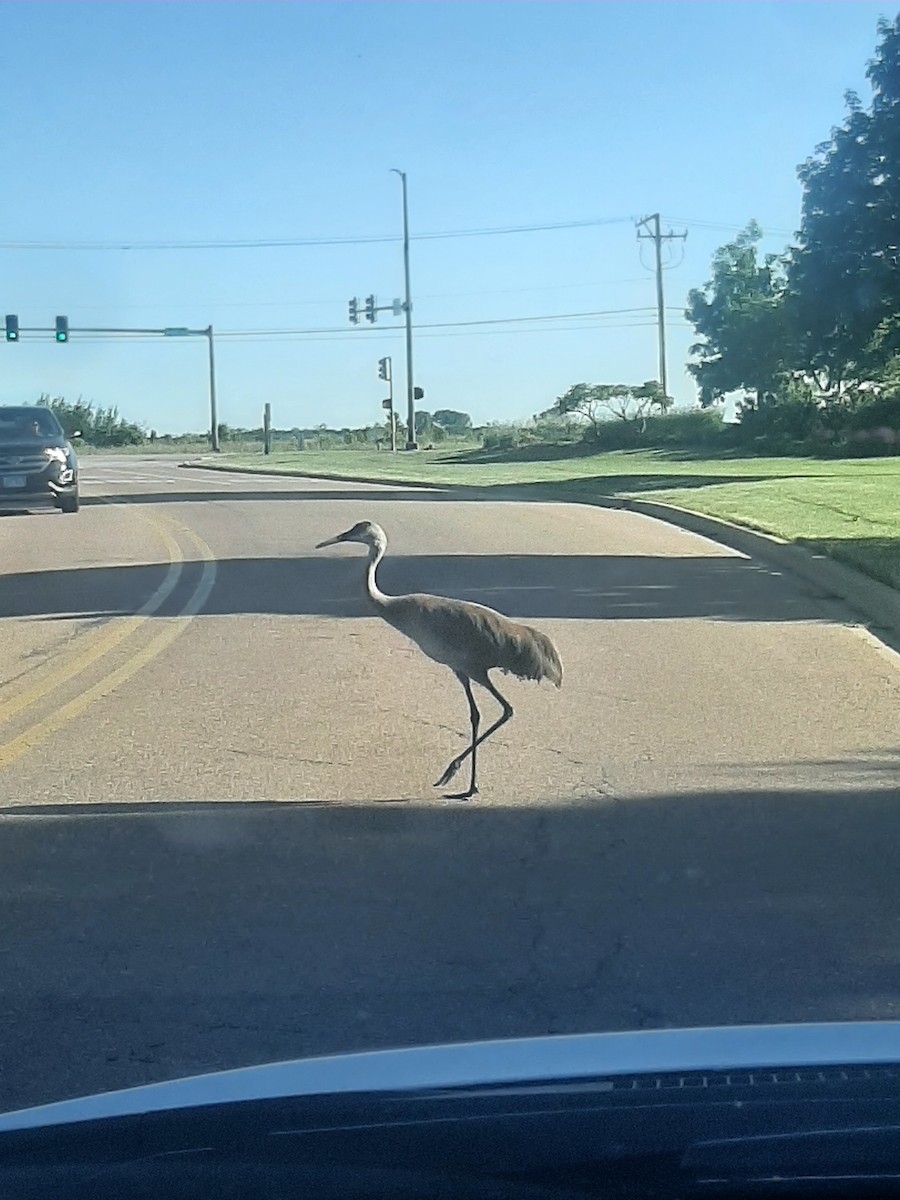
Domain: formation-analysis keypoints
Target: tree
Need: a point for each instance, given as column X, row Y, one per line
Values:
column 424, row 424
column 457, row 424
column 741, row 318
column 844, row 278
column 98, row 427
column 597, row 402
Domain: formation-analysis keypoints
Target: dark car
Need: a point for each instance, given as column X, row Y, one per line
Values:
column 38, row 467
column 730, row 1113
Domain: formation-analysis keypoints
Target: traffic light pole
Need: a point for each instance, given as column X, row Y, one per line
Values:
column 62, row 332
column 411, row 443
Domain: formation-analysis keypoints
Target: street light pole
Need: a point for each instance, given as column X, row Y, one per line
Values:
column 411, row 443
column 213, row 415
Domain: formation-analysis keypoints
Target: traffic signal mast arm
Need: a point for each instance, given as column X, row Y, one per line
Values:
column 372, row 309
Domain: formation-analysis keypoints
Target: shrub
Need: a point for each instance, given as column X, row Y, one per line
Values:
column 504, row 437
column 688, row 428
column 691, row 427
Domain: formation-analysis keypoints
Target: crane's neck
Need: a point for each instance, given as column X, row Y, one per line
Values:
column 374, row 592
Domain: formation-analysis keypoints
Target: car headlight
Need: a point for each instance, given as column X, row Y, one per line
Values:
column 55, row 454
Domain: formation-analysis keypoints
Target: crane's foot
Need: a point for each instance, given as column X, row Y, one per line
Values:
column 473, row 791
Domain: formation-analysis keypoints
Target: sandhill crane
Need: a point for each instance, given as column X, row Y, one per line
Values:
column 468, row 638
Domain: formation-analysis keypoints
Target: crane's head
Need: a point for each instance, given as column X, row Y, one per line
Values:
column 366, row 532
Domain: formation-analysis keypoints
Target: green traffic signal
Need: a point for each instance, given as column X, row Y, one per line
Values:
column 62, row 329
column 12, row 327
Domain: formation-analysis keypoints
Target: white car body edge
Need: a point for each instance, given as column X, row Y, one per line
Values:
column 513, row 1061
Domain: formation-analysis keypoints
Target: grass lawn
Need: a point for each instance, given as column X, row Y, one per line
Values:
column 849, row 508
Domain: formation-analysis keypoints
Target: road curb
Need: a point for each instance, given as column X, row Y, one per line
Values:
column 875, row 603
column 286, row 473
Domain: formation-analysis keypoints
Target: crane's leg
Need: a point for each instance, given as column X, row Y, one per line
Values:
column 475, row 718
column 476, row 741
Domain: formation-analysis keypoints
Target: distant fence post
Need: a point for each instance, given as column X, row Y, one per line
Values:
column 267, row 429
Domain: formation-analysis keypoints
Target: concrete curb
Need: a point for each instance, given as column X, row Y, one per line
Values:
column 286, row 473
column 873, row 602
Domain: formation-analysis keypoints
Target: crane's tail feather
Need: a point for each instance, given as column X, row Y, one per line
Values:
column 533, row 656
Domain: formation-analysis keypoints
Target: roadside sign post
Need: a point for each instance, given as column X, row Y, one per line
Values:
column 267, row 429
column 385, row 371
column 213, row 414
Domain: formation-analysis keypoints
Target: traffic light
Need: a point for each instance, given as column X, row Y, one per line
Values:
column 370, row 309
column 384, row 368
column 62, row 329
column 354, row 311
column 418, row 393
column 12, row 327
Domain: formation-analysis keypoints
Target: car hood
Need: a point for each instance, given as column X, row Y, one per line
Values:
column 584, row 1056
column 18, row 445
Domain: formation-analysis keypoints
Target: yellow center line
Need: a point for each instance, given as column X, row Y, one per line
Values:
column 110, row 638
column 174, row 628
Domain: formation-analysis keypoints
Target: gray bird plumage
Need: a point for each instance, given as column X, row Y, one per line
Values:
column 468, row 638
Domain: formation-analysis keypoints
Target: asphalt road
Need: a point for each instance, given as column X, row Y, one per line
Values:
column 220, row 843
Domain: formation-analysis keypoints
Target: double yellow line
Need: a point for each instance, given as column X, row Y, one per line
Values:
column 107, row 640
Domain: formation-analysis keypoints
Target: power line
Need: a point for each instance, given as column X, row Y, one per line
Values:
column 281, row 243
column 603, row 312
column 728, row 227
column 348, row 337
column 612, row 325
column 639, row 317
column 340, row 335
column 333, row 301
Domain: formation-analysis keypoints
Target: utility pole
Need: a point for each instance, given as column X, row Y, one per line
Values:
column 411, row 443
column 658, row 237
column 213, row 415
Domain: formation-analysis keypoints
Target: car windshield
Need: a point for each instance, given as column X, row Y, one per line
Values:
column 27, row 423
column 462, row 600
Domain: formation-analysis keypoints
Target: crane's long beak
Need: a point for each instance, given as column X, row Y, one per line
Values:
column 331, row 541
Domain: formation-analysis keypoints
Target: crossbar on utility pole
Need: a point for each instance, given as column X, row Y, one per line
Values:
column 658, row 237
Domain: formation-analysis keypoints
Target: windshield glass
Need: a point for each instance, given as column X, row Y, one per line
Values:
column 470, row 609
column 28, row 423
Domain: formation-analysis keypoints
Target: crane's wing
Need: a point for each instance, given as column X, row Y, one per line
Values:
column 474, row 639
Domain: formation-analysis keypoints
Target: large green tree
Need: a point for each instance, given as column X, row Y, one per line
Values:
column 739, row 316
column 844, row 276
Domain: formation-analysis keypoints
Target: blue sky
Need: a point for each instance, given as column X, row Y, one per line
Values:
column 196, row 122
